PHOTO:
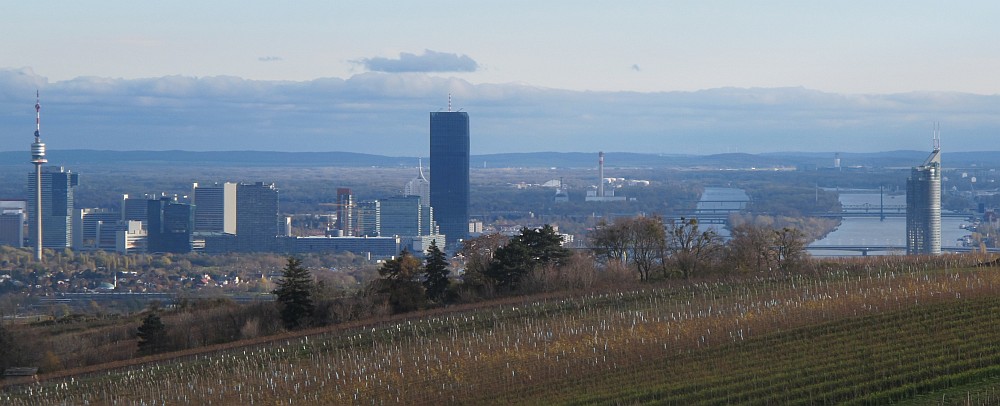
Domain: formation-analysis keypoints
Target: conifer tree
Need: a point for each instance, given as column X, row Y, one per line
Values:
column 294, row 295
column 152, row 335
column 524, row 253
column 436, row 274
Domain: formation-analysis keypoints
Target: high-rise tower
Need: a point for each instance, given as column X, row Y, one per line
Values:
column 52, row 199
column 38, row 158
column 345, row 212
column 257, row 217
column 170, row 224
column 215, row 208
column 450, row 172
column 923, row 204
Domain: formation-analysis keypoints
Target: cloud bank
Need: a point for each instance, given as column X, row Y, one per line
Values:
column 382, row 113
column 429, row 61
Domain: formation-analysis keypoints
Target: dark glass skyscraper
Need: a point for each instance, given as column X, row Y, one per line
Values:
column 58, row 185
column 450, row 173
column 257, row 217
column 169, row 225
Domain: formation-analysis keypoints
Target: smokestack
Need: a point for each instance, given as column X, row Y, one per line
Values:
column 600, row 167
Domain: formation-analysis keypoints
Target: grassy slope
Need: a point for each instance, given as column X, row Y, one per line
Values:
column 836, row 339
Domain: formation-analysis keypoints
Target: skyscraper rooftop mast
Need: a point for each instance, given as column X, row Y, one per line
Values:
column 38, row 158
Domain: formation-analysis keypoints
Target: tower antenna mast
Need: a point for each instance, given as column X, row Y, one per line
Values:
column 937, row 136
column 38, row 158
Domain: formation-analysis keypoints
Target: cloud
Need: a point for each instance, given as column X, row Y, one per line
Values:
column 270, row 59
column 429, row 61
column 387, row 114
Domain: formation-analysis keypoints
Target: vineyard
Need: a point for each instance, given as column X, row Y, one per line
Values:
column 865, row 337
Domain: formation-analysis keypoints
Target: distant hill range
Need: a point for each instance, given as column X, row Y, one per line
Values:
column 810, row 160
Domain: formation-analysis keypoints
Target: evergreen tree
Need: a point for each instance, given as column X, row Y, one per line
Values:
column 436, row 274
column 524, row 253
column 399, row 281
column 294, row 294
column 511, row 263
column 7, row 349
column 152, row 335
column 544, row 245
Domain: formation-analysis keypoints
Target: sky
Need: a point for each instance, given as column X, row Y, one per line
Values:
column 693, row 77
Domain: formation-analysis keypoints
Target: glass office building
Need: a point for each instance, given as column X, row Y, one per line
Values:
column 450, row 173
column 257, row 217
column 923, row 207
column 58, row 185
column 170, row 225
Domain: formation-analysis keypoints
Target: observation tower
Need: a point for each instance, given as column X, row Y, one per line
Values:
column 38, row 158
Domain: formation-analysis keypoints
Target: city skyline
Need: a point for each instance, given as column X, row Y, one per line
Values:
column 664, row 77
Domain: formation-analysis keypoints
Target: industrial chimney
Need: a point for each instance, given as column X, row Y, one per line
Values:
column 600, row 168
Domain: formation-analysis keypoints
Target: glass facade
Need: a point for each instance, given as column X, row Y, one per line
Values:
column 58, row 186
column 170, row 226
column 257, row 217
column 216, row 208
column 923, row 207
column 450, row 173
column 399, row 216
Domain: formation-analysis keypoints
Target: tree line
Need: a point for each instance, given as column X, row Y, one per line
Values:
column 682, row 248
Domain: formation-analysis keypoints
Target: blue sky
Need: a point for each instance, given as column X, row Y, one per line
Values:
column 656, row 76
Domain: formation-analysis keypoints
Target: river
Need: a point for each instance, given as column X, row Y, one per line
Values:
column 872, row 231
column 852, row 230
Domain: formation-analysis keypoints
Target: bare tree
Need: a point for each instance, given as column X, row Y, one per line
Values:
column 634, row 240
column 790, row 245
column 611, row 241
column 749, row 247
column 647, row 236
column 689, row 248
column 758, row 246
column 478, row 252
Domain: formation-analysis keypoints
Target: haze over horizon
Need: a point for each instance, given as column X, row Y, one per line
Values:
column 658, row 77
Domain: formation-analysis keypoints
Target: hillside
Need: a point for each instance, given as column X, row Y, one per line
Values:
column 853, row 334
column 503, row 160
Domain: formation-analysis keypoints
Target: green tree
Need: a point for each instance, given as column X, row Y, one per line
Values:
column 7, row 347
column 524, row 253
column 435, row 274
column 294, row 294
column 399, row 282
column 545, row 245
column 511, row 263
column 152, row 335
